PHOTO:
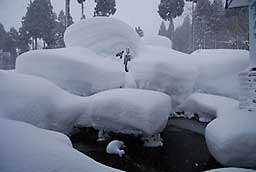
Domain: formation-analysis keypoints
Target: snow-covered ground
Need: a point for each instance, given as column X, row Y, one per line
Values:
column 232, row 170
column 105, row 36
column 26, row 148
column 77, row 70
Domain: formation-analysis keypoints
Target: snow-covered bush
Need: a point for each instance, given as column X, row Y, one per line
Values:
column 77, row 70
column 105, row 36
column 39, row 102
column 164, row 70
column 218, row 70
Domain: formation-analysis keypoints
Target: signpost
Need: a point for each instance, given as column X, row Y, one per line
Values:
column 247, row 78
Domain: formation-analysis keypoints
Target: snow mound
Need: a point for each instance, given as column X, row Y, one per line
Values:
column 130, row 111
column 105, row 36
column 207, row 106
column 232, row 139
column 43, row 104
column 77, row 70
column 219, row 70
column 232, row 170
column 41, row 150
column 37, row 101
column 164, row 70
column 115, row 147
column 158, row 40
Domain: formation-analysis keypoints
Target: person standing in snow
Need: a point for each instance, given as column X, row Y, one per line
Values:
column 127, row 58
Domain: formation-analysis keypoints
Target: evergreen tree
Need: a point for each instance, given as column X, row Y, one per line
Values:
column 236, row 25
column 59, row 31
column 217, row 22
column 105, row 8
column 162, row 30
column 39, row 21
column 202, row 16
column 12, row 42
column 24, row 41
column 170, row 30
column 67, row 13
column 182, row 37
column 2, row 37
column 168, row 10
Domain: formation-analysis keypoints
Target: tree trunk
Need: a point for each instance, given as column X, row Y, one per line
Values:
column 83, row 15
column 36, row 46
column 67, row 13
column 33, row 44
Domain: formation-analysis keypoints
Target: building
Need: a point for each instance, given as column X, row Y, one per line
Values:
column 248, row 77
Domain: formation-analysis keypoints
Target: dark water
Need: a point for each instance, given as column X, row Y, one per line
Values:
column 183, row 150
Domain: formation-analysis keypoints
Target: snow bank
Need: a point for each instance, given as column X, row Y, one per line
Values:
column 232, row 170
column 157, row 40
column 105, row 36
column 25, row 148
column 77, row 70
column 130, row 111
column 232, row 140
column 219, row 70
column 39, row 102
column 207, row 106
column 164, row 70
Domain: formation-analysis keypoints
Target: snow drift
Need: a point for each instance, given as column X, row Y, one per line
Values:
column 219, row 70
column 164, row 70
column 26, row 148
column 130, row 111
column 77, row 70
column 160, row 41
column 232, row 139
column 207, row 106
column 105, row 36
column 39, row 102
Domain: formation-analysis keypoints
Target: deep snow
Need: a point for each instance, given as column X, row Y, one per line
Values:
column 207, row 106
column 218, row 70
column 105, row 36
column 231, row 139
column 164, row 70
column 77, row 70
column 41, row 103
column 26, row 148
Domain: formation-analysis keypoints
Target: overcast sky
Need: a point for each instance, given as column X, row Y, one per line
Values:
column 135, row 12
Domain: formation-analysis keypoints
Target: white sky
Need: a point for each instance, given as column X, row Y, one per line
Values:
column 135, row 12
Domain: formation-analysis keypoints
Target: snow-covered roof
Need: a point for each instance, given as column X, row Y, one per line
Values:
column 236, row 3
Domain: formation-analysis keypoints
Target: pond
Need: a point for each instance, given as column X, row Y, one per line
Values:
column 184, row 150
